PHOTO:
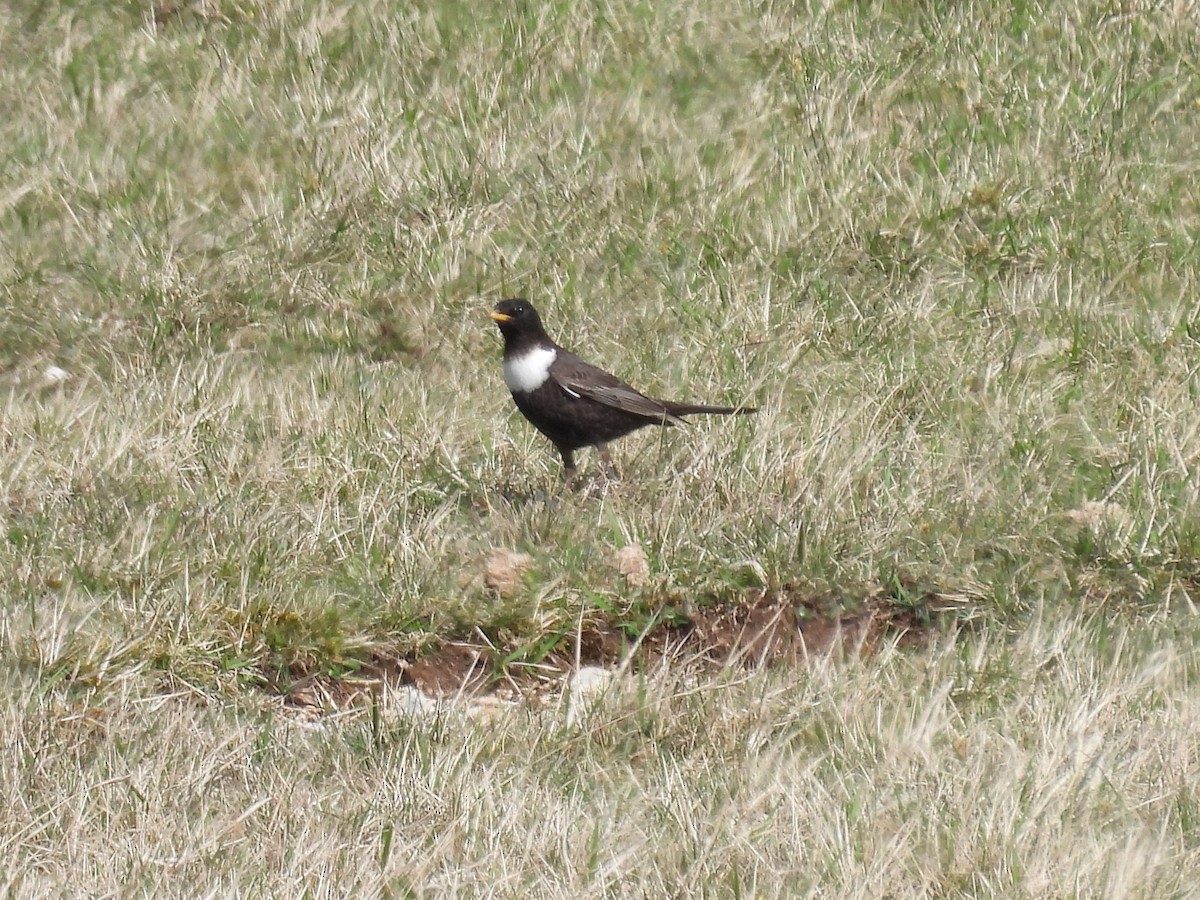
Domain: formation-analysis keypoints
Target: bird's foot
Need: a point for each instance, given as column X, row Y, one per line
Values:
column 597, row 486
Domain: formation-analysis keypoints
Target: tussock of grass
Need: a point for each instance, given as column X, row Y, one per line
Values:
column 948, row 250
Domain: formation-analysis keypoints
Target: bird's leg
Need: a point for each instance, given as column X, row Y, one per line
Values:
column 569, row 470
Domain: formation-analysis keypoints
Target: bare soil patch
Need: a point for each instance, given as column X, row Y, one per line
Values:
column 753, row 628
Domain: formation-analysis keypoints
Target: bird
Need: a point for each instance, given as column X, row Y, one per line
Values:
column 572, row 402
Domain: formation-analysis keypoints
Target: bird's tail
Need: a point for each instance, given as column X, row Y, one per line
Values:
column 686, row 409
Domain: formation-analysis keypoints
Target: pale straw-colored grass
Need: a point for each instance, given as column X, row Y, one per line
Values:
column 1059, row 761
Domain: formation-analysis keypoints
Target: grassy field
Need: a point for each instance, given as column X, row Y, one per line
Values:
column 254, row 427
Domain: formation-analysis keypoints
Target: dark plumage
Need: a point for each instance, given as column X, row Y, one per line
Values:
column 570, row 401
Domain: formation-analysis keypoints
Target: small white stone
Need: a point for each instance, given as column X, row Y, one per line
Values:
column 586, row 687
column 53, row 377
column 408, row 702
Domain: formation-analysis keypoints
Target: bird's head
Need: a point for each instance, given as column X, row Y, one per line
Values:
column 515, row 316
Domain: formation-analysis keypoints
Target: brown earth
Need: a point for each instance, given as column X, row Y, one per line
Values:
column 754, row 628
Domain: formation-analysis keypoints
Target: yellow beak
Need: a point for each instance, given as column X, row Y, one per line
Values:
column 500, row 317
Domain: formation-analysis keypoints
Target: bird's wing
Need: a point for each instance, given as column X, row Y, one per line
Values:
column 582, row 379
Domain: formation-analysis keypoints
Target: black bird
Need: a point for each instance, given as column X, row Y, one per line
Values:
column 572, row 402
